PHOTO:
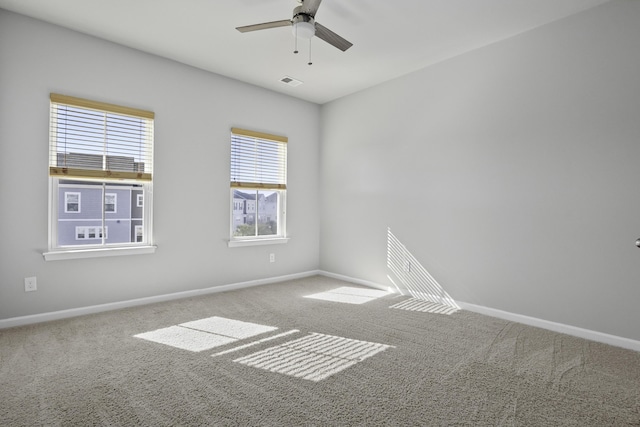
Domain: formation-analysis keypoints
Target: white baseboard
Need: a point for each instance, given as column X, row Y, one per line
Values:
column 81, row 311
column 513, row 317
column 356, row 281
column 556, row 327
column 519, row 318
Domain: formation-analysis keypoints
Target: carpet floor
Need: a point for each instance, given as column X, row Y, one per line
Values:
column 312, row 352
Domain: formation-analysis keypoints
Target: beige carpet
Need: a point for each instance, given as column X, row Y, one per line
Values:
column 309, row 352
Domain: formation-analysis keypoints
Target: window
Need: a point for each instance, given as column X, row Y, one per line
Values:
column 110, row 202
column 258, row 187
column 100, row 168
column 71, row 202
column 86, row 233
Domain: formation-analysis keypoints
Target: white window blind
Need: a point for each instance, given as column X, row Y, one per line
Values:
column 258, row 160
column 91, row 139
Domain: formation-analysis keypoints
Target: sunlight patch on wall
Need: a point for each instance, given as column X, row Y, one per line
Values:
column 205, row 334
column 413, row 304
column 314, row 357
column 413, row 279
column 349, row 295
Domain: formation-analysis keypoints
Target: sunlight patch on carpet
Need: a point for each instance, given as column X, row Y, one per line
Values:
column 228, row 327
column 313, row 357
column 251, row 344
column 349, row 295
column 413, row 304
column 185, row 339
column 205, row 334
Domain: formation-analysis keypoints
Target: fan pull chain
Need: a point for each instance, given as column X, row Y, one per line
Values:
column 310, row 53
column 295, row 48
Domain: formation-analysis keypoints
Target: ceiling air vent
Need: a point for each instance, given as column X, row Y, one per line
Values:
column 290, row 81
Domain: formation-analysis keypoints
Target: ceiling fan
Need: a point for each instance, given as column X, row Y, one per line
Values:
column 304, row 25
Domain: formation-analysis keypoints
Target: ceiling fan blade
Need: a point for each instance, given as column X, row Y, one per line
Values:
column 332, row 38
column 310, row 7
column 264, row 26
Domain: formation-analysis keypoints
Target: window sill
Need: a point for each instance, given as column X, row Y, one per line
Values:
column 97, row 252
column 256, row 242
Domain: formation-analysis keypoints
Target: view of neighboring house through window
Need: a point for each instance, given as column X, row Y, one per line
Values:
column 87, row 233
column 110, row 201
column 100, row 168
column 258, row 185
column 71, row 202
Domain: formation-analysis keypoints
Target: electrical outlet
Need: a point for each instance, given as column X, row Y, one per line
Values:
column 272, row 257
column 407, row 267
column 30, row 284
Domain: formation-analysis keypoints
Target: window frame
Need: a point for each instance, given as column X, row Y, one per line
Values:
column 98, row 250
column 265, row 239
column 59, row 175
column 257, row 186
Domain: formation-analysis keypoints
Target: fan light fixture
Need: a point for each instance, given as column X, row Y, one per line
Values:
column 304, row 29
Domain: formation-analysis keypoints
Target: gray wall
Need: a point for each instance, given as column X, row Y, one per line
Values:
column 510, row 174
column 194, row 113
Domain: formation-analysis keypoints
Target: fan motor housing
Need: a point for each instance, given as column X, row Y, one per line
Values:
column 299, row 16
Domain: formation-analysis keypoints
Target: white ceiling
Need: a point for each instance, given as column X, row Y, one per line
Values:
column 390, row 38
